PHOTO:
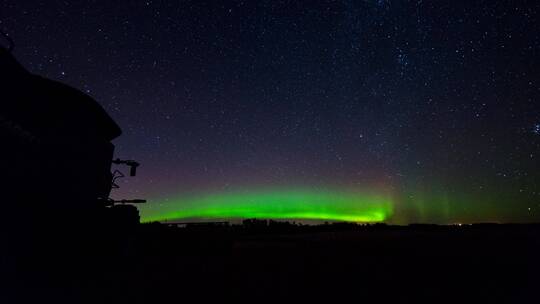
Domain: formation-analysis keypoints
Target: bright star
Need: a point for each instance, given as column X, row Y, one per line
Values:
column 536, row 129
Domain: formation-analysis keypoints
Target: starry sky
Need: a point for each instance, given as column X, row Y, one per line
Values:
column 434, row 105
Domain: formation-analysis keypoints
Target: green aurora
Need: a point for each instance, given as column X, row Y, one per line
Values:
column 291, row 204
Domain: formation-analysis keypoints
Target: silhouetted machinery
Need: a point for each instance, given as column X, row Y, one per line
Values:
column 56, row 152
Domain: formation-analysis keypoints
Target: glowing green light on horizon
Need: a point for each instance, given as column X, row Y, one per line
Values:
column 303, row 204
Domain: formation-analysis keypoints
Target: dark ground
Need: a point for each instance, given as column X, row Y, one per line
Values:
column 282, row 263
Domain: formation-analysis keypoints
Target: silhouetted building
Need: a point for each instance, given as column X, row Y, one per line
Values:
column 56, row 151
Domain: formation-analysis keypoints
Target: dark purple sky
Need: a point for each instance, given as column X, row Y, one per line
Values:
column 438, row 100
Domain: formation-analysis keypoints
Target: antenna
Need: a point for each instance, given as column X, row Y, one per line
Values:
column 131, row 163
column 11, row 44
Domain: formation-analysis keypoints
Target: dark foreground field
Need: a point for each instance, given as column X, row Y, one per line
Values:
column 160, row 264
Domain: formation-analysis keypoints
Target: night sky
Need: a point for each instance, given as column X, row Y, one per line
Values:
column 430, row 107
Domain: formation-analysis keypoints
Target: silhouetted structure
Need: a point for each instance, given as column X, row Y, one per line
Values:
column 57, row 151
column 56, row 156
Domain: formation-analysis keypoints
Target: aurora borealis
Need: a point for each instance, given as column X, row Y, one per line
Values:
column 393, row 111
column 436, row 205
column 292, row 204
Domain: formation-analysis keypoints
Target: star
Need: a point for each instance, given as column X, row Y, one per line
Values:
column 536, row 129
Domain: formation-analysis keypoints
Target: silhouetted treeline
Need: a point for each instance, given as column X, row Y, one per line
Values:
column 279, row 226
